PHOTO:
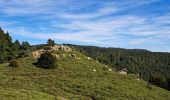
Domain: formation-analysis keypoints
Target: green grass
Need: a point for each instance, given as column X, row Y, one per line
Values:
column 73, row 79
column 11, row 94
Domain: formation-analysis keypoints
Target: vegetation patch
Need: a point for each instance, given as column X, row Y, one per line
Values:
column 46, row 61
column 14, row 63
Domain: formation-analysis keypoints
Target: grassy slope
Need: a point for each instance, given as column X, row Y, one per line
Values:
column 73, row 79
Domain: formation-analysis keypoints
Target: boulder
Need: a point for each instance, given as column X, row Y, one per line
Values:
column 123, row 71
column 61, row 47
column 110, row 69
column 88, row 58
column 36, row 54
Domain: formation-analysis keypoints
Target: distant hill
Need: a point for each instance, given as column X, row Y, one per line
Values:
column 150, row 66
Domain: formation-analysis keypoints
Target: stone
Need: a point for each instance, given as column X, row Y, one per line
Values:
column 88, row 58
column 36, row 54
column 78, row 58
column 123, row 71
column 61, row 47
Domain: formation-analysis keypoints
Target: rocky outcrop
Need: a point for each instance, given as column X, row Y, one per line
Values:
column 36, row 54
column 61, row 47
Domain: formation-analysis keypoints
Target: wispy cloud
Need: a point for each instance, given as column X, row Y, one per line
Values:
column 108, row 23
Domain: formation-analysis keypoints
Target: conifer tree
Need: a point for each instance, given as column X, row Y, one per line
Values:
column 51, row 42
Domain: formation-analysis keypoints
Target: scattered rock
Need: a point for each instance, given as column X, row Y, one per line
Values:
column 88, row 58
column 138, row 79
column 7, row 63
column 61, row 47
column 78, row 58
column 110, row 69
column 94, row 70
column 123, row 71
column 37, row 53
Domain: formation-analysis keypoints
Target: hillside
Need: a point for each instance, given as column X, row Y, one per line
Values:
column 76, row 77
column 150, row 66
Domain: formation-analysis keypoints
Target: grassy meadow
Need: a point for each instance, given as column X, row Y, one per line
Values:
column 73, row 78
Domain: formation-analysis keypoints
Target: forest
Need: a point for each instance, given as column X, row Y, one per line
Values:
column 154, row 67
column 10, row 50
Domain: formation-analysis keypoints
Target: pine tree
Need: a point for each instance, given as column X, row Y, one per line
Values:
column 16, row 48
column 6, row 44
column 24, row 49
column 25, row 46
column 51, row 42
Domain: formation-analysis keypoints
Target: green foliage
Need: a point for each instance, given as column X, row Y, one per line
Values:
column 14, row 63
column 23, row 53
column 16, row 48
column 51, row 42
column 24, row 50
column 46, row 47
column 6, row 45
column 149, row 86
column 152, row 66
column 25, row 46
column 46, row 61
column 10, row 50
column 157, row 79
column 16, row 45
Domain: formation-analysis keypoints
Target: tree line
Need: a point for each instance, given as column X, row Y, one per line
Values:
column 10, row 50
column 153, row 67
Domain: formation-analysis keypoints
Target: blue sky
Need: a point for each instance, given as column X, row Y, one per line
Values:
column 141, row 24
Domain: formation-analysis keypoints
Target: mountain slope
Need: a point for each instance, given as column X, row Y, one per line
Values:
column 76, row 77
column 150, row 66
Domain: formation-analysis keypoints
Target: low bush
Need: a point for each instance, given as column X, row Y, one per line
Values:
column 46, row 61
column 14, row 63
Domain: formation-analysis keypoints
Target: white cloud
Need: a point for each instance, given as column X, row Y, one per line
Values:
column 93, row 26
column 146, row 41
column 104, row 29
column 27, row 7
column 6, row 24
